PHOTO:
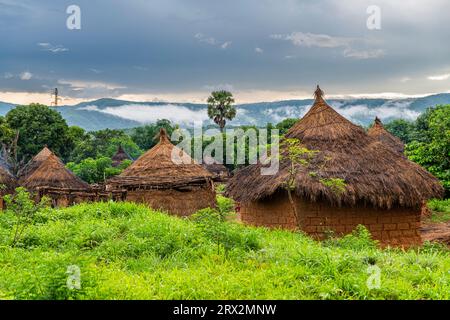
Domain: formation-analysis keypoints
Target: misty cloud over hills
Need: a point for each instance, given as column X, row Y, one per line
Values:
column 115, row 114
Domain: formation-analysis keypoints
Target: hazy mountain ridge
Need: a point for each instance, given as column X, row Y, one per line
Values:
column 120, row 114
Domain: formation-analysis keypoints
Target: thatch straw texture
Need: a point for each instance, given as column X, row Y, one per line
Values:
column 374, row 174
column 378, row 132
column 156, row 168
column 51, row 173
column 34, row 163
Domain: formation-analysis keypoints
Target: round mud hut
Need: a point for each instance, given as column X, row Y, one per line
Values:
column 46, row 175
column 378, row 132
column 180, row 187
column 383, row 190
column 7, row 182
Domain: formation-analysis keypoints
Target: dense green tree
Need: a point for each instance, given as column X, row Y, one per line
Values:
column 39, row 125
column 431, row 149
column 103, row 143
column 144, row 136
column 6, row 133
column 402, row 129
column 286, row 124
column 220, row 108
column 96, row 170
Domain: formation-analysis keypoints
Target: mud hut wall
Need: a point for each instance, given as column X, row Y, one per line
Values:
column 178, row 202
column 391, row 227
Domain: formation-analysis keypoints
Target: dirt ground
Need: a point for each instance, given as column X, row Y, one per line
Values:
column 436, row 231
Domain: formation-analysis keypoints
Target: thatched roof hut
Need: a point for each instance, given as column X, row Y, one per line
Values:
column 218, row 170
column 120, row 156
column 374, row 174
column 51, row 173
column 34, row 163
column 378, row 132
column 46, row 175
column 379, row 181
column 168, row 178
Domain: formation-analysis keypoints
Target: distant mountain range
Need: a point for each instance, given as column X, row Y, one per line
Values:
column 119, row 114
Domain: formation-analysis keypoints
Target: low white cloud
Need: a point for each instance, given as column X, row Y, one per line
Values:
column 440, row 77
column 26, row 75
column 46, row 46
column 149, row 114
column 259, row 50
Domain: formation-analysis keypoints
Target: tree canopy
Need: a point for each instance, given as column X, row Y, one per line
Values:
column 38, row 126
column 220, row 107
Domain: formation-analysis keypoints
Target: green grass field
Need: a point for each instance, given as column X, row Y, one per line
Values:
column 440, row 210
column 126, row 251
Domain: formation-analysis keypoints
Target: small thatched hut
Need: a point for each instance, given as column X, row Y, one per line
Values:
column 180, row 187
column 219, row 171
column 46, row 175
column 33, row 164
column 7, row 181
column 384, row 191
column 378, row 132
column 120, row 156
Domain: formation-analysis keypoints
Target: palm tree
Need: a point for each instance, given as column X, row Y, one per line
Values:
column 220, row 107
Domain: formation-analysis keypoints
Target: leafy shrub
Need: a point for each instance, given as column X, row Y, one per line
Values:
column 225, row 234
column 24, row 209
column 225, row 205
column 359, row 239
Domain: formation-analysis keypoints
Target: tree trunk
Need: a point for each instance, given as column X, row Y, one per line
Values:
column 294, row 208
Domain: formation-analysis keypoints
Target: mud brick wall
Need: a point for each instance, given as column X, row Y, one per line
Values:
column 181, row 203
column 396, row 227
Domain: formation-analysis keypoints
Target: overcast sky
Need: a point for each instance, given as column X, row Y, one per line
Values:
column 261, row 50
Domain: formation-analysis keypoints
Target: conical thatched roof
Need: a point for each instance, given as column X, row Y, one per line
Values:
column 120, row 156
column 164, row 165
column 374, row 174
column 51, row 173
column 378, row 132
column 34, row 163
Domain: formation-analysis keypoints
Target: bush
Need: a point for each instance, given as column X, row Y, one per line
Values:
column 227, row 235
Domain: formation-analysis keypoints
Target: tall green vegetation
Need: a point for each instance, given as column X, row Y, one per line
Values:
column 127, row 251
column 220, row 108
column 38, row 125
column 23, row 208
column 402, row 129
column 428, row 141
column 145, row 136
column 97, row 170
column 286, row 124
column 431, row 147
column 102, row 143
